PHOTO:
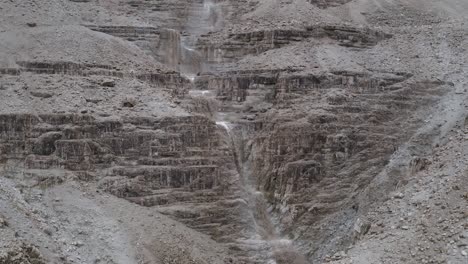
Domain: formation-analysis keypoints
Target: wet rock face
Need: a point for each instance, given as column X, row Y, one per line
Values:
column 315, row 139
column 169, row 49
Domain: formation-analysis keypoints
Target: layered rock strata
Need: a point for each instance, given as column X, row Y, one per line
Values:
column 309, row 139
column 234, row 46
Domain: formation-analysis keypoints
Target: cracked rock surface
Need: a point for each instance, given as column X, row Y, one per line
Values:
column 222, row 131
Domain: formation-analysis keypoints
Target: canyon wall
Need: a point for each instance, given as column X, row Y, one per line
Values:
column 259, row 125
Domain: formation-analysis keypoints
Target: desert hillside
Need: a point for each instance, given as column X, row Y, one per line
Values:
column 233, row 131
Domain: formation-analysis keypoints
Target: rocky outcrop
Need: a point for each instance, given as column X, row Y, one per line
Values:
column 162, row 43
column 169, row 49
column 147, row 38
column 310, row 163
column 328, row 3
column 314, row 140
column 169, row 79
column 265, row 161
column 180, row 164
column 237, row 45
column 81, row 142
column 22, row 254
column 284, row 85
column 176, row 14
column 168, row 14
column 128, row 32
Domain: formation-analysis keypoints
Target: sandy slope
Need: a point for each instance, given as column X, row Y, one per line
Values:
column 74, row 223
column 425, row 221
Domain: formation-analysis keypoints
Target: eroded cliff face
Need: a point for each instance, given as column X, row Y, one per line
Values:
column 264, row 126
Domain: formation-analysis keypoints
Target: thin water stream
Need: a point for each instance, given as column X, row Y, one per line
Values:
column 281, row 250
column 203, row 19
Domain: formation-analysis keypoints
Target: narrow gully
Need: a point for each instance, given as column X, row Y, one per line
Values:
column 266, row 235
column 281, row 250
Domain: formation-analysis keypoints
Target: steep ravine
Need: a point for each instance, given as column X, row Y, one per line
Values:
column 279, row 250
column 222, row 131
column 265, row 236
